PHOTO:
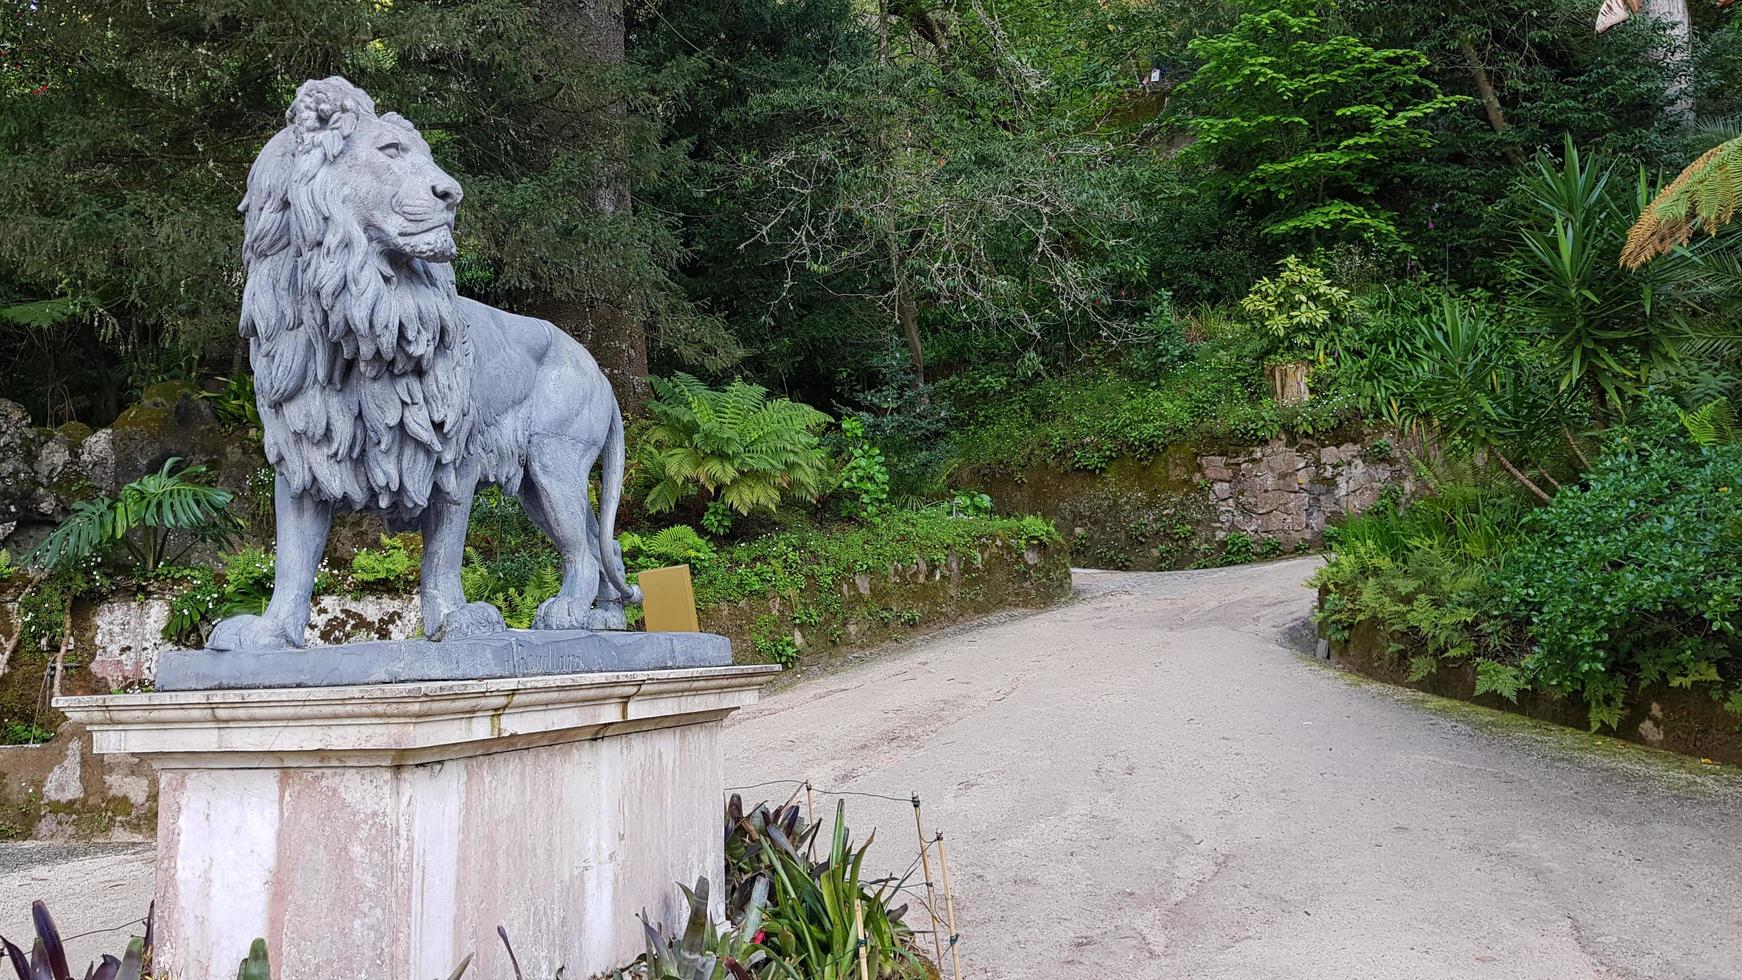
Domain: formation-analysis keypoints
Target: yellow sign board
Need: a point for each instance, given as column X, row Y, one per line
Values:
column 668, row 600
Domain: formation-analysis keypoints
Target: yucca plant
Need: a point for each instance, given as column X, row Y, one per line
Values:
column 734, row 448
column 48, row 956
column 1607, row 332
column 143, row 518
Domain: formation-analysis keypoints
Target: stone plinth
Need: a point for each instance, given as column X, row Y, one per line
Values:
column 387, row 830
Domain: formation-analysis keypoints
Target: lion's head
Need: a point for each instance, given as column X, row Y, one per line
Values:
column 362, row 366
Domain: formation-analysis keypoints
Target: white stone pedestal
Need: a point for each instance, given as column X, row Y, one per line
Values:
column 385, row 831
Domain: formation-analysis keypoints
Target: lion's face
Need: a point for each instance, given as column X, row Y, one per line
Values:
column 404, row 202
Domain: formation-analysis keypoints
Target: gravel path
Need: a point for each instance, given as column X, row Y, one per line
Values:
column 1154, row 782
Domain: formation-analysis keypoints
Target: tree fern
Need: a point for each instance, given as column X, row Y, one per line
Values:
column 735, row 445
column 1705, row 196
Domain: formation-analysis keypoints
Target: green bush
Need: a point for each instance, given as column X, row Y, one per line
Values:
column 1299, row 308
column 864, row 477
column 1632, row 577
column 735, row 448
column 393, row 567
column 1635, row 577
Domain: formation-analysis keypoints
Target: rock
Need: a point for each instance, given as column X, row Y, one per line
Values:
column 33, row 464
column 63, row 783
column 1283, row 463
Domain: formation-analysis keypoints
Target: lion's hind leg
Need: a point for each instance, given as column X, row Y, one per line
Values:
column 557, row 502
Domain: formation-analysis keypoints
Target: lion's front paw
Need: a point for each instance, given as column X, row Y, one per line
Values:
column 471, row 619
column 565, row 613
column 248, row 632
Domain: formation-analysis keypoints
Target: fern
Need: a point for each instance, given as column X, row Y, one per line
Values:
column 675, row 545
column 1704, row 196
column 1493, row 677
column 1712, row 424
column 734, row 445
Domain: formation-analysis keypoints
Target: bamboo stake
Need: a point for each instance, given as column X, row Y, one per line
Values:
column 950, row 907
column 808, row 817
column 859, row 930
column 931, row 895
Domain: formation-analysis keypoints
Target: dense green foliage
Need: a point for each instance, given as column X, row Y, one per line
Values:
column 732, row 450
column 1635, row 577
column 130, row 128
column 1306, row 123
column 986, row 235
column 1627, row 580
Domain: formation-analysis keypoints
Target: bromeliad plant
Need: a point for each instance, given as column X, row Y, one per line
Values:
column 48, row 956
column 704, row 951
column 811, row 927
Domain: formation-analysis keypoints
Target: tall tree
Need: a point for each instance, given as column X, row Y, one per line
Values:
column 130, row 128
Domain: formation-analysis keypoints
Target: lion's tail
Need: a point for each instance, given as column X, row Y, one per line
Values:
column 610, row 493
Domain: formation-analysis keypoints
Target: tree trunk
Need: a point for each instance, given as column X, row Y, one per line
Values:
column 1676, row 54
column 907, row 314
column 1490, row 101
column 1518, row 475
column 883, row 32
column 616, row 339
column 1288, row 382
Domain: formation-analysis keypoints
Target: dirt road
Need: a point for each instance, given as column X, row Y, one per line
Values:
column 1153, row 782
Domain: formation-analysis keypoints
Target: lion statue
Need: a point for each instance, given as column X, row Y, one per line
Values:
column 381, row 389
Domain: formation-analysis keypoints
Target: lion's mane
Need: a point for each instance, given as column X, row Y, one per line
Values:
column 362, row 366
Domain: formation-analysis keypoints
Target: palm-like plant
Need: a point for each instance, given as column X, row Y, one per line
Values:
column 1606, row 333
column 734, row 445
column 143, row 518
column 1703, row 197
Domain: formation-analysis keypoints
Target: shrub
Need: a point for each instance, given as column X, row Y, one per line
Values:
column 393, row 567
column 1421, row 573
column 1635, row 577
column 864, row 475
column 1299, row 308
column 735, row 447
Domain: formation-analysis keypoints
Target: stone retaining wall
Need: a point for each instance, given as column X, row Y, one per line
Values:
column 1688, row 721
column 1179, row 509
